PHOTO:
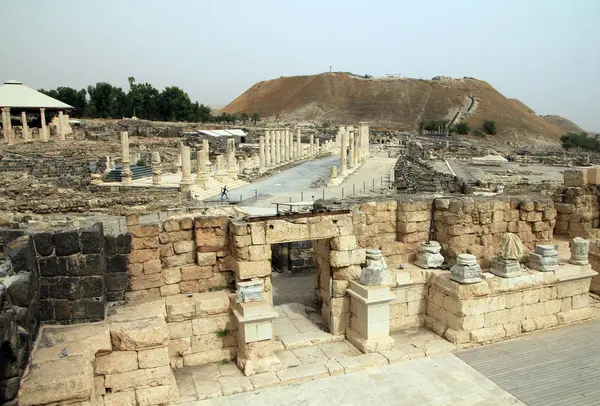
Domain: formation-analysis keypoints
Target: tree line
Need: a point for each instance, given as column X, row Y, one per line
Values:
column 582, row 141
column 143, row 101
column 443, row 127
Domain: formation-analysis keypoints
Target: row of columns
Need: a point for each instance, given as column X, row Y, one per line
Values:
column 9, row 132
column 278, row 147
column 353, row 144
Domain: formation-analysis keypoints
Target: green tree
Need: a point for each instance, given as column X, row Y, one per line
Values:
column 106, row 101
column 255, row 117
column 175, row 105
column 489, row 127
column 462, row 128
column 244, row 117
column 144, row 100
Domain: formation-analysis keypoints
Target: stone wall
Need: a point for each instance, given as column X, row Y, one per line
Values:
column 202, row 328
column 72, row 268
column 475, row 226
column 189, row 254
column 117, row 248
column 19, row 314
column 294, row 256
column 500, row 308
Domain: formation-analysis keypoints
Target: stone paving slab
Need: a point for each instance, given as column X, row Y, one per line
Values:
column 556, row 367
column 440, row 380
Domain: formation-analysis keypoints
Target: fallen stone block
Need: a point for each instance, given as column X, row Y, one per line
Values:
column 139, row 334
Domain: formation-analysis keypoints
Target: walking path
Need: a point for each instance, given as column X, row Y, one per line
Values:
column 438, row 380
column 558, row 367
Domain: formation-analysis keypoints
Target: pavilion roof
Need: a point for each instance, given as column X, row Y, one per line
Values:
column 15, row 94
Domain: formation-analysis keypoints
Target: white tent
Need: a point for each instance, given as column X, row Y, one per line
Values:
column 15, row 94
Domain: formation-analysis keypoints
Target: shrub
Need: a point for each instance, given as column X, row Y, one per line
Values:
column 489, row 127
column 462, row 128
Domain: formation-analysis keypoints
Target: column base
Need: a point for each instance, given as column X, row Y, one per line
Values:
column 369, row 345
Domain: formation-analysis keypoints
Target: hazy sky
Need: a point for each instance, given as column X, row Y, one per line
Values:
column 545, row 53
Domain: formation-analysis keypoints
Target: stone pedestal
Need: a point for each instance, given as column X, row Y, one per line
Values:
column 61, row 126
column 506, row 268
column 186, row 169
column 156, row 168
column 334, row 172
column 429, row 256
column 466, row 270
column 580, row 249
column 370, row 319
column 44, row 129
column 544, row 259
column 126, row 175
column 375, row 270
column 255, row 337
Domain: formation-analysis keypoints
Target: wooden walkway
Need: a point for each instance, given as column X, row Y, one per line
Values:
column 557, row 367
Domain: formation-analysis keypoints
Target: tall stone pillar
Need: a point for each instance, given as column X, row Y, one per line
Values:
column 357, row 149
column 202, row 177
column 337, row 136
column 108, row 164
column 286, row 155
column 277, row 147
column 220, row 169
column 267, row 148
column 273, row 147
column 351, row 145
column 44, row 130
column 24, row 126
column 7, row 125
column 342, row 152
column 289, row 144
column 206, row 150
column 126, row 175
column 156, row 168
column 261, row 152
column 232, row 169
column 281, row 147
column 186, row 168
column 61, row 127
column 298, row 143
column 311, row 146
column 317, row 146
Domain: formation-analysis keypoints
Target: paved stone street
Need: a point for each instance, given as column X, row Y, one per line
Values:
column 558, row 367
column 440, row 380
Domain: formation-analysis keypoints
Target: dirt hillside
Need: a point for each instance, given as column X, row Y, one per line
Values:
column 392, row 102
column 563, row 123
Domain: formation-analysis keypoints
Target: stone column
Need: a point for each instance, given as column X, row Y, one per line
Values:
column 286, row 145
column 288, row 141
column 342, row 152
column 44, row 130
column 61, row 128
column 277, row 147
column 299, row 143
column 24, row 126
column 206, row 150
column 351, row 145
column 126, row 175
column 108, row 164
column 186, row 168
column 220, row 170
column 338, row 137
column 318, row 146
column 273, row 147
column 156, row 168
column 267, row 148
column 357, row 150
column 261, row 151
column 281, row 147
column 202, row 177
column 7, row 125
column 311, row 149
column 232, row 170
column 580, row 249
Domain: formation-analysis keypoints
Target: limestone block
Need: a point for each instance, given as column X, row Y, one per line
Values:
column 152, row 266
column 172, row 275
column 512, row 329
column 580, row 301
column 467, row 323
column 141, row 256
column 573, row 288
column 146, row 281
column 552, row 306
column 545, row 322
column 143, row 294
column 65, row 379
column 206, row 258
column 488, row 334
column 347, row 258
column 141, row 378
column 211, row 303
column 146, row 230
column 180, row 329
column 575, row 177
column 258, row 233
column 205, row 357
column 278, row 231
column 139, row 334
column 153, row 358
column 170, row 290
column 171, row 225
column 496, row 317
column 158, row 395
column 194, row 272
column 126, row 398
column 181, row 247
column 575, row 315
column 208, row 325
column 259, row 252
column 255, row 269
column 345, row 243
column 179, row 260
column 117, row 361
column 457, row 336
column 180, row 346
column 143, row 243
column 482, row 305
